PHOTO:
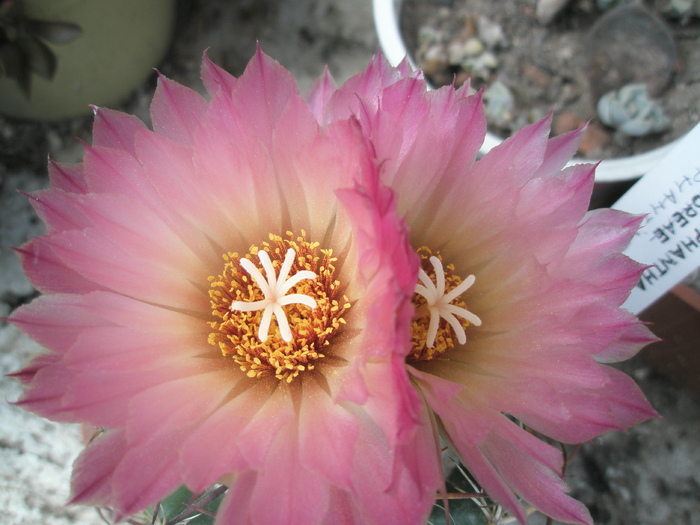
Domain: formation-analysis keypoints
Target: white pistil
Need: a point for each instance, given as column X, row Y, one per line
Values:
column 439, row 302
column 275, row 291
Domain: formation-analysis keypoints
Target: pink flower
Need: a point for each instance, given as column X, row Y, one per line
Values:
column 518, row 302
column 229, row 296
column 236, row 297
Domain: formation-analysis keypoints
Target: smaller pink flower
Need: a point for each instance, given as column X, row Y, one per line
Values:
column 517, row 308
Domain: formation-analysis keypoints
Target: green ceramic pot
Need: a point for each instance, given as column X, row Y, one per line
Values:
column 121, row 42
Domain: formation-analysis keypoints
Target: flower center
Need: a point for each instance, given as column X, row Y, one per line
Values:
column 438, row 303
column 289, row 280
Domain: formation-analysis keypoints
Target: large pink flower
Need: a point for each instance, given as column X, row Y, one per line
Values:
column 229, row 297
column 518, row 300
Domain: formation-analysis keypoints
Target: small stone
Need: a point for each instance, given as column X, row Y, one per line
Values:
column 565, row 122
column 568, row 93
column 499, row 104
column 595, row 139
column 435, row 53
column 461, row 77
column 491, row 33
column 438, row 71
column 455, row 52
column 470, row 26
column 432, row 66
column 547, row 10
column 537, row 75
column 473, row 47
column 489, row 60
column 427, row 35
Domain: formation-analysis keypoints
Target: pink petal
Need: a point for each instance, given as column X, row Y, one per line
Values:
column 532, row 480
column 205, row 455
column 91, row 480
column 140, row 232
column 160, row 408
column 493, row 183
column 517, row 157
column 245, row 194
column 389, row 267
column 48, row 273
column 445, row 146
column 503, row 457
column 107, row 264
column 113, row 129
column 148, row 472
column 115, row 171
column 98, row 397
column 262, row 92
column 397, row 484
column 257, row 437
column 183, row 207
column 406, row 70
column 235, row 509
column 320, row 93
column 560, row 150
column 617, row 405
column 215, row 77
column 603, row 232
column 328, row 435
column 68, row 178
column 371, row 81
column 633, row 339
column 551, row 203
column 55, row 321
column 176, row 110
column 301, row 495
column 491, row 480
column 144, row 466
column 57, row 209
column 26, row 375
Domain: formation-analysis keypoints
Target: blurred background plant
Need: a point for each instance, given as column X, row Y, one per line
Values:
column 23, row 48
column 631, row 111
column 59, row 56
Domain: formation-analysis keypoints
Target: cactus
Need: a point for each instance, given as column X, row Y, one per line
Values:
column 23, row 49
column 632, row 112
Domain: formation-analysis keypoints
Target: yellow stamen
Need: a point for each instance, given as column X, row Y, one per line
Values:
column 438, row 304
column 299, row 288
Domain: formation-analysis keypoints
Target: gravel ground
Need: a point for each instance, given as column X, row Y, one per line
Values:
column 647, row 476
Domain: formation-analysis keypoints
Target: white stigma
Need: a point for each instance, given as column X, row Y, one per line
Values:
column 439, row 302
column 275, row 291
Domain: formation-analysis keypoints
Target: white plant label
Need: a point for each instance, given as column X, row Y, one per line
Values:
column 669, row 239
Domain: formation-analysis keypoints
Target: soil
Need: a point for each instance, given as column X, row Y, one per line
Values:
column 646, row 476
column 559, row 64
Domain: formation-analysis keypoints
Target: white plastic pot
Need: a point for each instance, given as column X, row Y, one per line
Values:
column 386, row 20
